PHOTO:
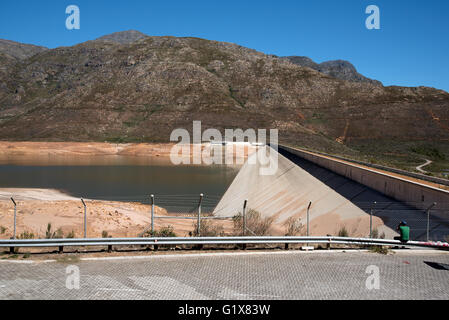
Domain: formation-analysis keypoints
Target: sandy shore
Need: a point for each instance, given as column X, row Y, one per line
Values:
column 38, row 207
column 118, row 219
column 83, row 148
column 36, row 149
column 34, row 194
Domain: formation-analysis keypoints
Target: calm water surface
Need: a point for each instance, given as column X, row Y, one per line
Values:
column 117, row 177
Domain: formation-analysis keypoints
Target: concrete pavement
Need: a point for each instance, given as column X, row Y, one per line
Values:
column 242, row 275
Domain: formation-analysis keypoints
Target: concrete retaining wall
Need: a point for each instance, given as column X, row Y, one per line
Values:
column 415, row 194
column 394, row 170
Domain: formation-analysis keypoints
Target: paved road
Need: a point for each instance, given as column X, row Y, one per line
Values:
column 420, row 168
column 266, row 276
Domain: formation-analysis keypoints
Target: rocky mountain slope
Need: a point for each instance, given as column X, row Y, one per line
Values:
column 123, row 37
column 339, row 69
column 18, row 50
column 140, row 90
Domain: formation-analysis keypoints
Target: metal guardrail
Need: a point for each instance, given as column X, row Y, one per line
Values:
column 214, row 241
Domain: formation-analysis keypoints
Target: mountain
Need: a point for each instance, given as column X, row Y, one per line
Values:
column 339, row 69
column 142, row 90
column 19, row 50
column 124, row 37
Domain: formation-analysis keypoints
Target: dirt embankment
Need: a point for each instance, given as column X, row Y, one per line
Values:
column 38, row 207
column 83, row 148
column 118, row 219
column 11, row 149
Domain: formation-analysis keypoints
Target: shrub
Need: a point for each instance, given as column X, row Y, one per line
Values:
column 376, row 234
column 255, row 224
column 26, row 235
column 104, row 234
column 343, row 232
column 293, row 226
column 2, row 230
column 379, row 249
column 59, row 234
column 164, row 232
column 207, row 229
column 71, row 235
column 49, row 234
column 429, row 151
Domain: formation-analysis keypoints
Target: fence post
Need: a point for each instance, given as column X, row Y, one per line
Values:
column 85, row 218
column 371, row 221
column 428, row 219
column 198, row 231
column 244, row 217
column 15, row 215
column 12, row 249
column 152, row 215
column 308, row 218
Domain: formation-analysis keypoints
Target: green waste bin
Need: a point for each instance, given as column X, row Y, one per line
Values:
column 405, row 233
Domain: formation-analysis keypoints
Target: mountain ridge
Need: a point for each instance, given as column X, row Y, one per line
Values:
column 123, row 37
column 340, row 69
column 19, row 50
column 142, row 90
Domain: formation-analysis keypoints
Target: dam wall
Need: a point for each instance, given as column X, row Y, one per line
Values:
column 287, row 193
column 416, row 194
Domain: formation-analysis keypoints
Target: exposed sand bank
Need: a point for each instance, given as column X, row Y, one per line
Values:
column 38, row 207
column 83, row 148
column 34, row 194
column 119, row 219
column 78, row 150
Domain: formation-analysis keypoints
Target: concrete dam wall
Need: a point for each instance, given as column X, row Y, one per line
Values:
column 337, row 200
column 287, row 193
column 415, row 194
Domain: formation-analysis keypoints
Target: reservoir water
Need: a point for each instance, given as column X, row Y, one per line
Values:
column 120, row 178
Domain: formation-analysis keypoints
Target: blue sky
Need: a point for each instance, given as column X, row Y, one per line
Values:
column 410, row 49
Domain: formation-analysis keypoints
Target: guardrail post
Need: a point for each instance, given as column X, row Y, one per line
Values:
column 152, row 215
column 61, row 249
column 198, row 229
column 371, row 221
column 308, row 218
column 428, row 219
column 85, row 218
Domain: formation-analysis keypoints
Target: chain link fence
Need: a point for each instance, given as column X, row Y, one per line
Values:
column 192, row 215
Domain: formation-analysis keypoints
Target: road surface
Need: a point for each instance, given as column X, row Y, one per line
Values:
column 241, row 275
column 420, row 168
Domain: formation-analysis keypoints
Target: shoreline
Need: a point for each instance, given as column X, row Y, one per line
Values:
column 103, row 153
column 12, row 148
